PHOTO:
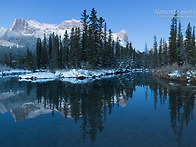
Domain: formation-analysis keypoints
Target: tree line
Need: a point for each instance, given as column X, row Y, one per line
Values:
column 179, row 49
column 91, row 47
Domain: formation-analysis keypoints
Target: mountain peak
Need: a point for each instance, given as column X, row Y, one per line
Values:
column 123, row 34
column 19, row 24
column 70, row 24
column 36, row 29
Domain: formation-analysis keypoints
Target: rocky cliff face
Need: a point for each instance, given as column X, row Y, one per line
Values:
column 36, row 29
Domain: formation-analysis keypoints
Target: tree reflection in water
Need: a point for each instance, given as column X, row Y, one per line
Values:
column 92, row 102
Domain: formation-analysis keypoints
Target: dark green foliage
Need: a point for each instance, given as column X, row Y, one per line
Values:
column 84, row 35
column 91, row 48
column 66, row 46
column 180, row 47
column 39, row 53
column 6, row 63
column 172, row 40
column 44, row 53
column 193, row 49
column 160, row 53
column 165, row 53
column 117, row 53
column 188, row 43
column 155, row 53
column 29, row 60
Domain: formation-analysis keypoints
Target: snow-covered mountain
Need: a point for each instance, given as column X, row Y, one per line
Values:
column 24, row 33
column 9, row 38
column 36, row 29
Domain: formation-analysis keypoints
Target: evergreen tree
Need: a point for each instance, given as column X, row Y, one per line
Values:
column 56, row 54
column 155, row 58
column 84, row 35
column 172, row 40
column 93, row 20
column 180, row 46
column 146, row 63
column 66, row 49
column 89, row 54
column 117, row 53
column 101, row 40
column 6, row 60
column 94, row 28
column 188, row 44
column 105, row 46
column 160, row 53
column 131, row 62
column 78, row 48
column 193, row 48
column 110, row 49
column 39, row 53
column 44, row 53
column 72, row 48
column 10, row 60
column 165, row 53
column 61, row 56
column 50, row 51
column 29, row 60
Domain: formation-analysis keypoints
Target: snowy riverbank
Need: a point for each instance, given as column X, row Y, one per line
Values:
column 184, row 74
column 73, row 75
column 13, row 72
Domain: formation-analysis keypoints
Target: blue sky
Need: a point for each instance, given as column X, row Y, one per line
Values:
column 137, row 17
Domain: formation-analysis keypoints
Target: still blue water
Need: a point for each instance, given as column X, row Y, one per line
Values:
column 127, row 110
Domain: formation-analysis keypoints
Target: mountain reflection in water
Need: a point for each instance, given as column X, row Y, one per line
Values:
column 93, row 102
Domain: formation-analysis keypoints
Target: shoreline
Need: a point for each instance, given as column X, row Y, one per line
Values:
column 176, row 74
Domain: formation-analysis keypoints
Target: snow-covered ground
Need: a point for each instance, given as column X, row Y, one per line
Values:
column 13, row 72
column 174, row 74
column 188, row 76
column 72, row 76
column 83, row 73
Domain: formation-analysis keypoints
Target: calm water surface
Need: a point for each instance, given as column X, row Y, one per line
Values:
column 127, row 110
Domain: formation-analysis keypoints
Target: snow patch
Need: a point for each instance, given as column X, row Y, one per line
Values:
column 38, row 75
column 174, row 74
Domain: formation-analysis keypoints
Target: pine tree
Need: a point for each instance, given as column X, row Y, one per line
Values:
column 146, row 63
column 105, row 46
column 50, row 51
column 101, row 40
column 6, row 60
column 94, row 28
column 78, row 47
column 84, row 35
column 110, row 49
column 89, row 54
column 193, row 48
column 180, row 46
column 165, row 53
column 93, row 20
column 117, row 53
column 155, row 58
column 126, row 54
column 66, row 49
column 39, row 53
column 188, row 44
column 61, row 56
column 10, row 60
column 29, row 60
column 56, row 52
column 172, row 40
column 131, row 62
column 160, row 53
column 72, row 48
column 44, row 53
